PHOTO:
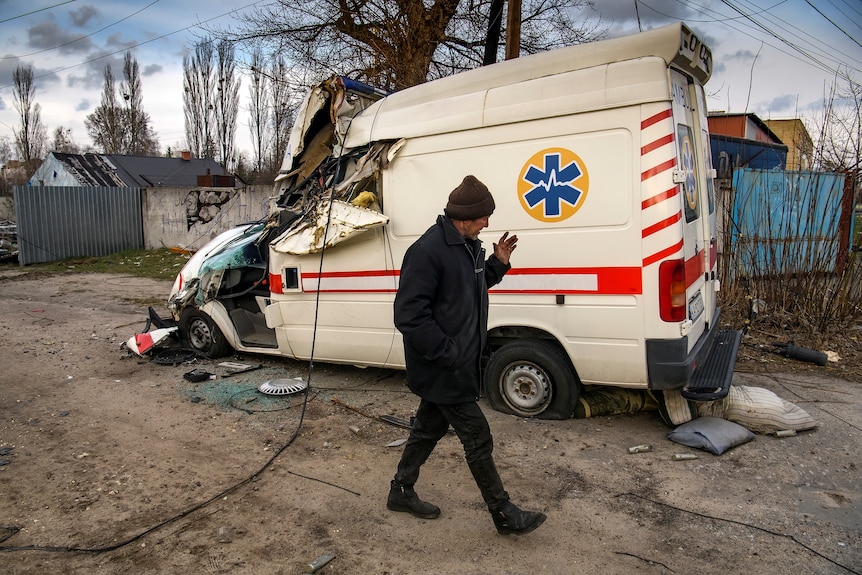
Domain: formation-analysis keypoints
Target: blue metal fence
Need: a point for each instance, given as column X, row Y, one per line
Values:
column 786, row 222
column 55, row 223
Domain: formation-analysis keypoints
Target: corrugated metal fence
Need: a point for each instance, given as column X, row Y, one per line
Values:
column 789, row 222
column 61, row 222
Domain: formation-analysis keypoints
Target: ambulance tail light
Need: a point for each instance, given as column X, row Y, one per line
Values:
column 671, row 289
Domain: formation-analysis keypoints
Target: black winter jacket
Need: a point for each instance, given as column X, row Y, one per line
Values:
column 441, row 309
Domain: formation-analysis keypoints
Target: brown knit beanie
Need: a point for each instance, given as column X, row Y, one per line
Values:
column 471, row 200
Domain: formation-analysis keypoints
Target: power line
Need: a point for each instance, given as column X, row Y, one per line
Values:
column 827, row 51
column 35, row 11
column 800, row 46
column 851, row 6
column 82, row 37
column 139, row 44
column 833, row 23
column 745, row 20
column 770, row 32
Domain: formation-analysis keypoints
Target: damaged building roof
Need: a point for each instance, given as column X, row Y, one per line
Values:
column 60, row 169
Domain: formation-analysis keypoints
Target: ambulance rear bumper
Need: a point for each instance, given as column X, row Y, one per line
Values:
column 704, row 374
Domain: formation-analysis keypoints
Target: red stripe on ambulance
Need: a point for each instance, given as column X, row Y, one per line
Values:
column 654, row 145
column 665, row 223
column 366, row 281
column 656, row 118
column 665, row 253
column 663, row 167
column 694, row 268
column 599, row 281
column 660, row 219
column 275, row 285
column 666, row 195
column 603, row 281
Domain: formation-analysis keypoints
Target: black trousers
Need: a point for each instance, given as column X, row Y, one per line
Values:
column 431, row 424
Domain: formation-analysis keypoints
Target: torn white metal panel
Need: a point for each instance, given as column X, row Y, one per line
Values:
column 318, row 150
column 341, row 105
column 314, row 101
column 312, row 234
column 365, row 166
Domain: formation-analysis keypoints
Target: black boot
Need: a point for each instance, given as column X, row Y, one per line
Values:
column 403, row 498
column 510, row 520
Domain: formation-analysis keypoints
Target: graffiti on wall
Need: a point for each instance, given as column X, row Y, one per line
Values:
column 203, row 206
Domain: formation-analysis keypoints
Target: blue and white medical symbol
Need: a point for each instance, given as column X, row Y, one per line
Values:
column 689, row 169
column 553, row 185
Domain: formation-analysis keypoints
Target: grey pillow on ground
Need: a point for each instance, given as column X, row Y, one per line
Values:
column 711, row 433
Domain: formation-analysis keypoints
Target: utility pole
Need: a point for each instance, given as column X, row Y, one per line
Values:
column 492, row 39
column 513, row 29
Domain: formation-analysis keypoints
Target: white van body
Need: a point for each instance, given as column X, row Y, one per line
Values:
column 598, row 159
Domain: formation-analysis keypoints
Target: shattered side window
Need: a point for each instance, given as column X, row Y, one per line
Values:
column 243, row 251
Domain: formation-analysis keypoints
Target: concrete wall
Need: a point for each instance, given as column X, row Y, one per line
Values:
column 7, row 209
column 179, row 217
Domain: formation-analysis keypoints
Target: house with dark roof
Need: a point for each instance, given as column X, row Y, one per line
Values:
column 116, row 170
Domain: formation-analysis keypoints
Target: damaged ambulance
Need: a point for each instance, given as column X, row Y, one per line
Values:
column 598, row 158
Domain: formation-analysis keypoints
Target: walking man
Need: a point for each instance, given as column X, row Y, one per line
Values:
column 441, row 309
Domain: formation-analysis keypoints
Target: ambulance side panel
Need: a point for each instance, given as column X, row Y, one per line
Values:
column 576, row 278
column 604, row 175
column 343, row 310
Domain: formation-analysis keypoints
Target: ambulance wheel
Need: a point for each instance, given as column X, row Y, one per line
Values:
column 531, row 378
column 200, row 333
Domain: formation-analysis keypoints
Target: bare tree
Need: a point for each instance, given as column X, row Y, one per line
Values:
column 397, row 44
column 226, row 104
column 273, row 101
column 211, row 101
column 105, row 125
column 198, row 86
column 5, row 150
column 284, row 103
column 63, row 142
column 141, row 140
column 117, row 127
column 31, row 138
column 260, row 114
column 839, row 129
column 7, row 179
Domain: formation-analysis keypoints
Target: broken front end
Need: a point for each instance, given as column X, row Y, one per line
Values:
column 325, row 194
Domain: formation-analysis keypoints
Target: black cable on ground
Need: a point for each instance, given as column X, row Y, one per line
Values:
column 230, row 402
column 189, row 511
column 742, row 523
column 778, row 380
column 12, row 530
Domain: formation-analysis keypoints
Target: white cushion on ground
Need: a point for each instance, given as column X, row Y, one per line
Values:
column 759, row 410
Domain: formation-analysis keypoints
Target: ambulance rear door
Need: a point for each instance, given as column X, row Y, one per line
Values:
column 697, row 206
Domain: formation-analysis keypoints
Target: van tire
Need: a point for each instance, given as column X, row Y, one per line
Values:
column 199, row 332
column 531, row 378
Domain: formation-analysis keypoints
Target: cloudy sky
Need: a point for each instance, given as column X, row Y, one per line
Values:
column 775, row 58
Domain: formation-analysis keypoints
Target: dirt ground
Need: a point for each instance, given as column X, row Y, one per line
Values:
column 116, row 464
